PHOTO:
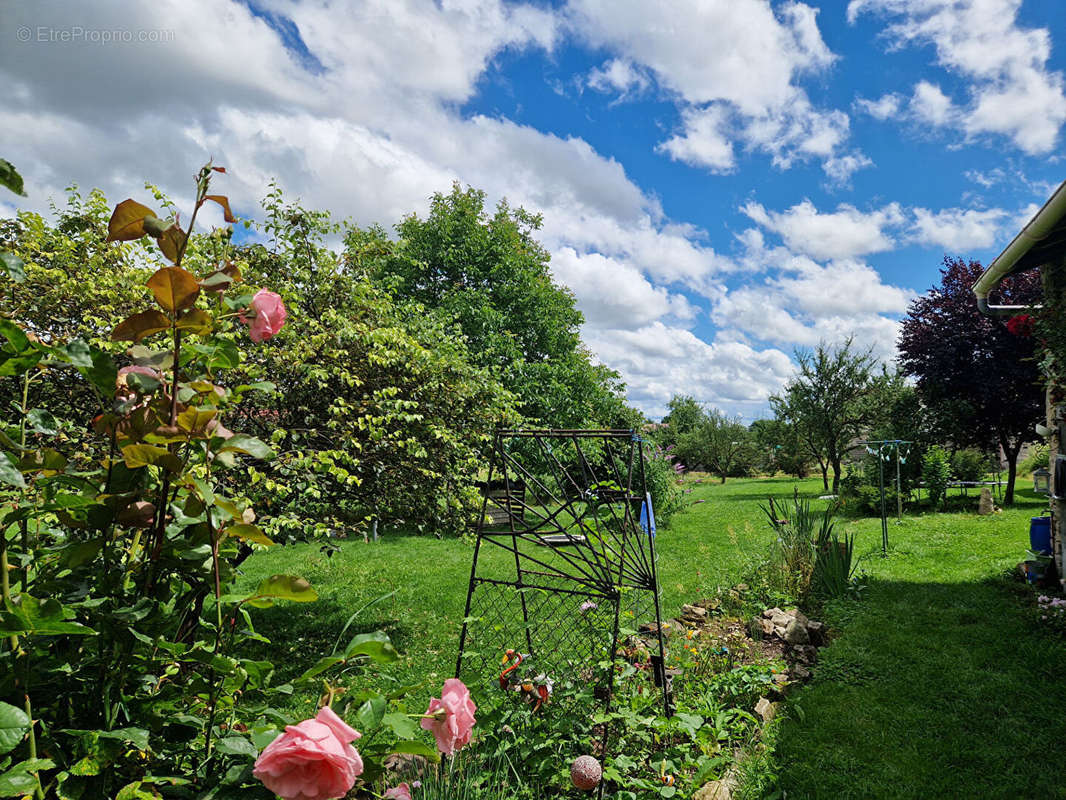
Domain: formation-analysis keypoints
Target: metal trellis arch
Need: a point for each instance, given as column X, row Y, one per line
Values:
column 564, row 562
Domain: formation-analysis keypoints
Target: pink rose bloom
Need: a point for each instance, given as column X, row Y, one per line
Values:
column 311, row 761
column 269, row 316
column 453, row 716
column 400, row 792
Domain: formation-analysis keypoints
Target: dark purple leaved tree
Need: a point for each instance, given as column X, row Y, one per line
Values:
column 979, row 382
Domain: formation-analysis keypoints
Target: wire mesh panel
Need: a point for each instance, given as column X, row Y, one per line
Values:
column 564, row 564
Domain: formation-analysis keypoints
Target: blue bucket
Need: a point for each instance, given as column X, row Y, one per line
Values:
column 1040, row 535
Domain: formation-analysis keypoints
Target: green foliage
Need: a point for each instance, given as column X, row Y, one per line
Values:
column 685, row 415
column 830, row 402
column 970, row 464
column 662, row 480
column 378, row 406
column 488, row 275
column 936, row 472
column 379, row 414
column 779, row 448
column 865, row 498
column 10, row 178
column 1037, row 459
column 121, row 537
column 719, row 443
column 833, row 576
column 807, row 559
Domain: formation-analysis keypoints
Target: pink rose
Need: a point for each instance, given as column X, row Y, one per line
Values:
column 269, row 316
column 311, row 761
column 453, row 716
column 400, row 792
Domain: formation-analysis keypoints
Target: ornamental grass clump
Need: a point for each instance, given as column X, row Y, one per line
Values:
column 808, row 559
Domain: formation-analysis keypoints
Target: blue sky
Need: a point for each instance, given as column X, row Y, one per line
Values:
column 722, row 181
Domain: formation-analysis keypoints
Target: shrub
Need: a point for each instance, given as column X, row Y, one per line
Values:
column 1037, row 458
column 970, row 464
column 661, row 478
column 123, row 644
column 868, row 500
column 936, row 472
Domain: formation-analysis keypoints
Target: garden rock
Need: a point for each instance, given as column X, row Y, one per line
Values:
column 715, row 790
column 765, row 709
column 651, row 627
column 781, row 619
column 805, row 653
column 765, row 626
column 796, row 633
column 712, row 604
column 799, row 672
column 986, row 507
column 693, row 613
column 406, row 765
column 816, row 632
column 770, row 612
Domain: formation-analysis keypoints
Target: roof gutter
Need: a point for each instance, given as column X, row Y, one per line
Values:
column 1039, row 227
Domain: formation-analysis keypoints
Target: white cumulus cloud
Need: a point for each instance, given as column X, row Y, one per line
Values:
column 1010, row 90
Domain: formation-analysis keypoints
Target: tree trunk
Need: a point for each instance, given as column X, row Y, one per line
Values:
column 825, row 476
column 836, row 475
column 1012, row 472
column 722, row 476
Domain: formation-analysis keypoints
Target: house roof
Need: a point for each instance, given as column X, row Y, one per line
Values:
column 1040, row 242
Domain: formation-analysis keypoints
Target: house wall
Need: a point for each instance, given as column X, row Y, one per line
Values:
column 1057, row 423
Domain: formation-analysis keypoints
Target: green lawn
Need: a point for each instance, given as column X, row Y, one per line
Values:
column 940, row 685
column 937, row 684
column 424, row 582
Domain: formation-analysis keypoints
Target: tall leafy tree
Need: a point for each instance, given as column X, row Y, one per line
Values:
column 489, row 275
column 780, row 446
column 685, row 414
column 719, row 442
column 830, row 401
column 979, row 382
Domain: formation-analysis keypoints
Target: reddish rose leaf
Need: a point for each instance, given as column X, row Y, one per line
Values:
column 170, row 242
column 219, row 169
column 139, row 326
column 223, row 201
column 127, row 221
column 175, row 289
column 195, row 320
column 217, row 281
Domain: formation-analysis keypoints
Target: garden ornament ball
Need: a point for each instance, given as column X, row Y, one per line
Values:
column 585, row 772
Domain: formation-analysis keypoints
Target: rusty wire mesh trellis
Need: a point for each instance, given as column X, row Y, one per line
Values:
column 564, row 560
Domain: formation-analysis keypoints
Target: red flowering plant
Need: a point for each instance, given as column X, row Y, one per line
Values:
column 1021, row 325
